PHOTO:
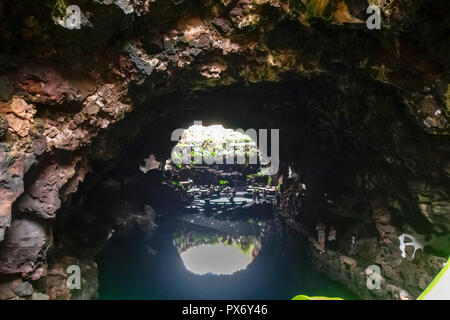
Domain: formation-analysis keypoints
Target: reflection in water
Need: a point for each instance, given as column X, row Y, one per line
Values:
column 281, row 270
column 216, row 259
column 215, row 253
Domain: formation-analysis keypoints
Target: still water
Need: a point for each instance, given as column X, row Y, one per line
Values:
column 206, row 258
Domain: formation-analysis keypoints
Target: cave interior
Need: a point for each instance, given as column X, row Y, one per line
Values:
column 86, row 124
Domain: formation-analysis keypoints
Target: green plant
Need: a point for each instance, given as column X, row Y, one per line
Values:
column 304, row 297
column 59, row 9
column 315, row 8
column 176, row 183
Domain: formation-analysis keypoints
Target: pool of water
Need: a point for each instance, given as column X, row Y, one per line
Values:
column 205, row 258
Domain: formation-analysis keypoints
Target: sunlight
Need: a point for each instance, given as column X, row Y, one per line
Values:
column 215, row 142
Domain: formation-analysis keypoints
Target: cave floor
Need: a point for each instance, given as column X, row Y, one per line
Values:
column 280, row 266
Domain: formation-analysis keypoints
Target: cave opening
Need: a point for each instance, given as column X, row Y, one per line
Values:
column 230, row 242
column 147, row 216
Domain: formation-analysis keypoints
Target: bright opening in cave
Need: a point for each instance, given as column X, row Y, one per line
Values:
column 215, row 145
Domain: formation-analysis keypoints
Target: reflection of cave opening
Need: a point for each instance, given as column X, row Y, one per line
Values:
column 215, row 254
column 216, row 259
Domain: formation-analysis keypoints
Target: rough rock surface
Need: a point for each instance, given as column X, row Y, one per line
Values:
column 23, row 250
column 70, row 98
column 352, row 267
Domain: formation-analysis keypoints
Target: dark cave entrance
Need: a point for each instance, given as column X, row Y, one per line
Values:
column 227, row 240
column 130, row 217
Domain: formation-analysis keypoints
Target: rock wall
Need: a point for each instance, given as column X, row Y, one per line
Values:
column 353, row 264
column 73, row 98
